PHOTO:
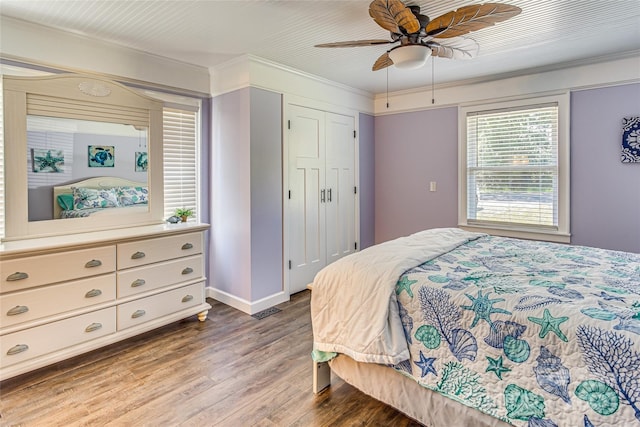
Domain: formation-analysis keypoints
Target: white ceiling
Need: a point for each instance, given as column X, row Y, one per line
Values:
column 546, row 34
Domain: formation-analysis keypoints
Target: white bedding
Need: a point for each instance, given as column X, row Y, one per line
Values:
column 353, row 303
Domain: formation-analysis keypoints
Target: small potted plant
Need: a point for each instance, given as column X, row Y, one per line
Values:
column 184, row 213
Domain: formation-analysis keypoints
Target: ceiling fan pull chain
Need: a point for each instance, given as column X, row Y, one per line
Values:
column 387, row 87
column 433, row 70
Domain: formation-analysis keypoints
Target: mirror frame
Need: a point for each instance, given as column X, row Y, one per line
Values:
column 84, row 98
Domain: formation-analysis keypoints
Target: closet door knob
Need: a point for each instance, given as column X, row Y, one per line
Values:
column 322, row 195
column 138, row 255
column 17, row 276
column 93, row 263
column 187, row 246
column 18, row 309
column 329, row 193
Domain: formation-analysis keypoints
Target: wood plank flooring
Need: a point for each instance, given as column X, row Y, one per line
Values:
column 232, row 370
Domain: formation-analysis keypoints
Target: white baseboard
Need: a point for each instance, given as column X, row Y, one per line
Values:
column 249, row 307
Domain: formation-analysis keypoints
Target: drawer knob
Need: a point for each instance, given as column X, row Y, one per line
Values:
column 137, row 282
column 138, row 255
column 93, row 263
column 187, row 246
column 16, row 349
column 17, row 276
column 93, row 327
column 187, row 270
column 187, row 298
column 93, row 293
column 18, row 309
column 138, row 313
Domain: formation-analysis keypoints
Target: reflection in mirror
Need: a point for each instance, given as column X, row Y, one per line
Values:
column 79, row 168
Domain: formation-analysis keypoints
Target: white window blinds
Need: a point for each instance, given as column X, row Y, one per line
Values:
column 181, row 186
column 512, row 167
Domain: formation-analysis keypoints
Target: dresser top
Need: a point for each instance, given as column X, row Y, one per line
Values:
column 52, row 243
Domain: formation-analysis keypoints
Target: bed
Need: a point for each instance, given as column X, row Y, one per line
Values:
column 99, row 196
column 456, row 328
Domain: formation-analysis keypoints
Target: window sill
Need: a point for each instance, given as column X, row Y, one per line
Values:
column 555, row 236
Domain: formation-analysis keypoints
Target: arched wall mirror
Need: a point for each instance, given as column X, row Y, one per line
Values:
column 81, row 154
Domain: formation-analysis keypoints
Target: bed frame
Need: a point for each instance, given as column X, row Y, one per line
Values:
column 432, row 409
column 419, row 403
column 98, row 182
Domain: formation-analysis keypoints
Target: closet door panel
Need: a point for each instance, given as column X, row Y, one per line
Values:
column 306, row 207
column 340, row 183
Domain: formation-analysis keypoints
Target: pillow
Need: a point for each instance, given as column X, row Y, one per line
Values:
column 65, row 201
column 128, row 196
column 88, row 198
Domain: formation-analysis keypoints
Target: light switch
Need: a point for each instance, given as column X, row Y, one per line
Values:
column 432, row 186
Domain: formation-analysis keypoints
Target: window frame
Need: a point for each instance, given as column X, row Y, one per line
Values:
column 562, row 234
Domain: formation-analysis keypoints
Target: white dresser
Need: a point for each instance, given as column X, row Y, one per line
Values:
column 66, row 295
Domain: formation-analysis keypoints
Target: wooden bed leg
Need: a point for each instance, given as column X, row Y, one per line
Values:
column 321, row 376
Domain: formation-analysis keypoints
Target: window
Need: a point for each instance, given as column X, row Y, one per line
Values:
column 181, row 142
column 514, row 177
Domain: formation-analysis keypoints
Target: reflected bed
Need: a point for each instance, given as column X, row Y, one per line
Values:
column 103, row 195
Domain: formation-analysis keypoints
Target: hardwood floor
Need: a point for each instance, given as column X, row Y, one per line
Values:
column 232, row 370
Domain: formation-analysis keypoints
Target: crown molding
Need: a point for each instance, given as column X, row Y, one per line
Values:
column 609, row 70
column 253, row 71
column 53, row 48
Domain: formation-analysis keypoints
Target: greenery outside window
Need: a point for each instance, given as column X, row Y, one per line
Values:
column 514, row 168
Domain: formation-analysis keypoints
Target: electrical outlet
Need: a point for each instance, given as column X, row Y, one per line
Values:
column 432, row 186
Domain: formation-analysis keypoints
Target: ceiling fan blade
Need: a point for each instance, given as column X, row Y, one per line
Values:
column 393, row 14
column 356, row 43
column 422, row 19
column 383, row 61
column 470, row 18
column 454, row 48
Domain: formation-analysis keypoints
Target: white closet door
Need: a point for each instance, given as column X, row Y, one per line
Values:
column 307, row 243
column 340, row 182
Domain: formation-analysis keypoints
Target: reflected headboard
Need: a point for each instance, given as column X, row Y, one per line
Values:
column 99, row 182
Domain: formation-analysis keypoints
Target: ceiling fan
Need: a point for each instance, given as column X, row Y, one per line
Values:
column 421, row 37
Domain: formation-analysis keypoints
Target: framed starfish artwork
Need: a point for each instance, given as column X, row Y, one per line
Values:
column 47, row 160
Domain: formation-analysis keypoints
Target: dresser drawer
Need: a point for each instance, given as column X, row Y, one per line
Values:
column 153, row 307
column 34, row 342
column 23, row 273
column 34, row 304
column 161, row 249
column 143, row 279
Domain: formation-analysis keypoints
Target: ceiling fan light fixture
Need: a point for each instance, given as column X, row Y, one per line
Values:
column 410, row 57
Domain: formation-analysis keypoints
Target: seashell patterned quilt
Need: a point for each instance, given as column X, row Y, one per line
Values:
column 533, row 333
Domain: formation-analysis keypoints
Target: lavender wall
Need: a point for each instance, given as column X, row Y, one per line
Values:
column 366, row 163
column 231, row 194
column 412, row 149
column 605, row 193
column 266, row 193
column 246, row 203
